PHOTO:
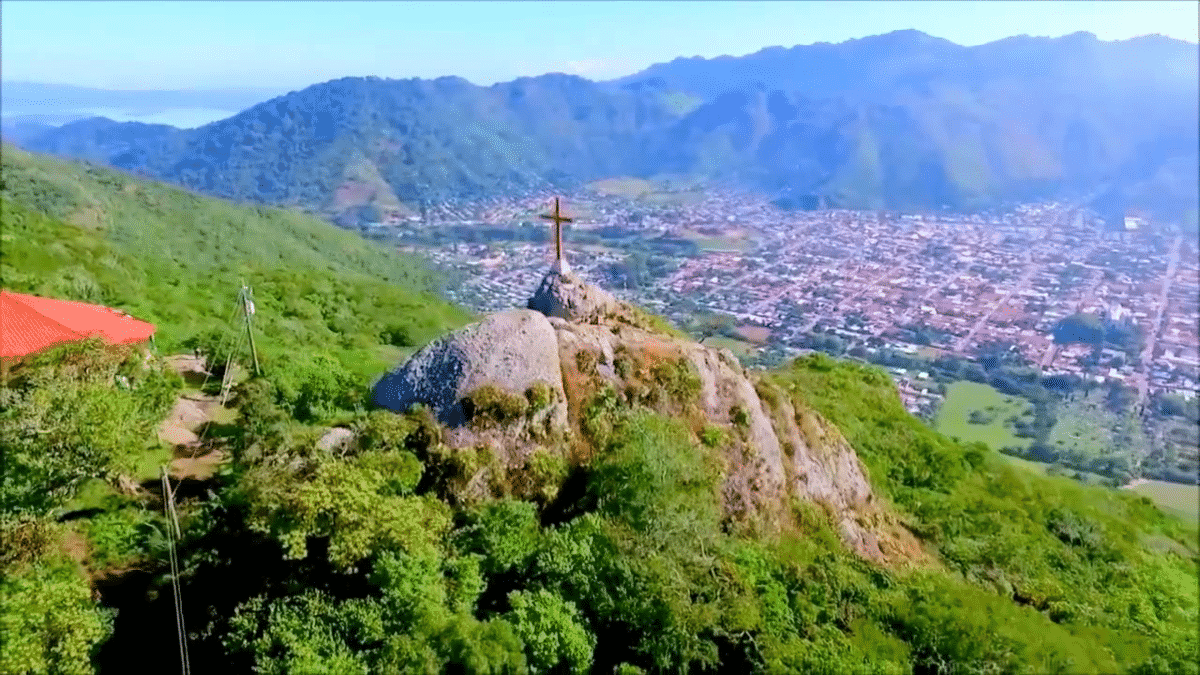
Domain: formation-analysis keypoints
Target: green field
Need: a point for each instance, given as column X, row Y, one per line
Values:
column 963, row 398
column 648, row 191
column 1036, row 467
column 1174, row 498
column 1085, row 427
column 734, row 243
column 623, row 186
column 738, row 347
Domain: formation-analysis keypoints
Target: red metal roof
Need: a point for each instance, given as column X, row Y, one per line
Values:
column 29, row 324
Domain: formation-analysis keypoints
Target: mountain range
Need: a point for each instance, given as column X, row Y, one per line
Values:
column 896, row 121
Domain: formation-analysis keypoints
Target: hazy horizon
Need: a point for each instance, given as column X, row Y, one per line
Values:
column 244, row 45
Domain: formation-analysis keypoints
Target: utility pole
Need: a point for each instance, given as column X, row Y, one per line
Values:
column 247, row 312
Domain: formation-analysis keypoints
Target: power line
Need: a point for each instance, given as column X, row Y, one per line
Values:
column 173, row 533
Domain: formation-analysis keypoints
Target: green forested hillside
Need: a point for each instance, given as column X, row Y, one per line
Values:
column 177, row 259
column 362, row 558
column 307, row 561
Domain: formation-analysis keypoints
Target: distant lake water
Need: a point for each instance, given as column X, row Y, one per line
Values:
column 183, row 118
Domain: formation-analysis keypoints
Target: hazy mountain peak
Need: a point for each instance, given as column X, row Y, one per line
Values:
column 898, row 120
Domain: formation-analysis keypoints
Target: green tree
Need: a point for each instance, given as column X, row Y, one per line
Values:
column 506, row 534
column 70, row 416
column 315, row 386
column 48, row 622
column 361, row 506
column 552, row 630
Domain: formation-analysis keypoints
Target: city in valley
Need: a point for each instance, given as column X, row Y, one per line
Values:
column 917, row 293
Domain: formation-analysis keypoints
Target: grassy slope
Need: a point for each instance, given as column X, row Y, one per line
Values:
column 176, row 259
column 1092, row 559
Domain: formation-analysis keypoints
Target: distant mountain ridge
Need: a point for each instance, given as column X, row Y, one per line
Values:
column 902, row 120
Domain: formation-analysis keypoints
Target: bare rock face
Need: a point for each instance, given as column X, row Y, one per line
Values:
column 507, row 354
column 568, row 297
column 336, row 440
column 822, row 467
column 755, row 484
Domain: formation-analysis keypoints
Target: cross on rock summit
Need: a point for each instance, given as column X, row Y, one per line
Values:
column 560, row 261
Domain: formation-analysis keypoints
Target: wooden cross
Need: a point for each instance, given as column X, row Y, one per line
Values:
column 560, row 263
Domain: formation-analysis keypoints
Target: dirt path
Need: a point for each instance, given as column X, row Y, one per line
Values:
column 1143, row 374
column 185, row 423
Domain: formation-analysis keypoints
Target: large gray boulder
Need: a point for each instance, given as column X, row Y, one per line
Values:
column 511, row 350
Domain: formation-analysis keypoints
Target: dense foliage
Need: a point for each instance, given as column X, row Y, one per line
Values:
column 77, row 412
column 48, row 621
column 1102, row 564
column 636, row 572
column 178, row 260
column 349, row 560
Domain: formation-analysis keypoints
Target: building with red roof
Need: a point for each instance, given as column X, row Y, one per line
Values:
column 30, row 324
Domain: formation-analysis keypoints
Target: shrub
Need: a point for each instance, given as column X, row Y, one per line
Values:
column 678, row 379
column 415, row 431
column 601, row 414
column 361, row 506
column 67, row 421
column 24, row 540
column 122, row 537
column 539, row 395
column 490, row 405
column 586, row 361
column 739, row 416
column 505, row 533
column 623, row 362
column 315, row 387
column 652, row 473
column 712, row 436
column 398, row 335
column 553, row 631
column 48, row 622
column 547, row 470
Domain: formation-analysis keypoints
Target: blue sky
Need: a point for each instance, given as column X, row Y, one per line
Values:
column 182, row 45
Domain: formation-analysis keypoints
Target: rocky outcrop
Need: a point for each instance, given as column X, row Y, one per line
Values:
column 568, row 297
column 336, row 440
column 822, row 467
column 472, row 376
column 580, row 340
